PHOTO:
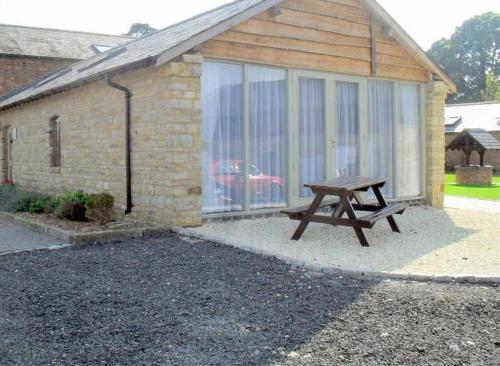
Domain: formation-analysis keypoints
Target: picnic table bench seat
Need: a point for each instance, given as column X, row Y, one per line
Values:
column 296, row 211
column 391, row 209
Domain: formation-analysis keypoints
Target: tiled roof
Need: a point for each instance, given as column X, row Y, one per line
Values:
column 166, row 44
column 54, row 43
column 477, row 137
column 140, row 50
column 474, row 115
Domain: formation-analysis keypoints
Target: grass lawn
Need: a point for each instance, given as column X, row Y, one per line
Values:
column 472, row 191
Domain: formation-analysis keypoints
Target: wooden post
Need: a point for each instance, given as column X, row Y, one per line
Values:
column 467, row 151
column 481, row 157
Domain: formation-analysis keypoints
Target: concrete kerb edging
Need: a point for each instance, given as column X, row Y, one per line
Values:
column 81, row 238
column 467, row 279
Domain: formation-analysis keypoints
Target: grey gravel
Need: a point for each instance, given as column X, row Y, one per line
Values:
column 167, row 301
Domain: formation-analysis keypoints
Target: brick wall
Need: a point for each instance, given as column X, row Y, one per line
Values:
column 166, row 141
column 18, row 71
column 454, row 158
column 3, row 157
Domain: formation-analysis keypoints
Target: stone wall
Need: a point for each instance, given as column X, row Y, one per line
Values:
column 166, row 141
column 474, row 175
column 454, row 158
column 436, row 93
column 15, row 72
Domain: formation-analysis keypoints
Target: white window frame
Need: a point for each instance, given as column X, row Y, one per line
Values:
column 292, row 181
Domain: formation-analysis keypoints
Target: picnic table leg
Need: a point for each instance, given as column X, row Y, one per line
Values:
column 305, row 222
column 383, row 203
column 339, row 210
column 352, row 215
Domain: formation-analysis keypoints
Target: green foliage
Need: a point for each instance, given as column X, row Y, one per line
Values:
column 491, row 192
column 138, row 30
column 492, row 91
column 100, row 208
column 37, row 207
column 52, row 204
column 471, row 53
column 72, row 206
column 75, row 205
column 14, row 200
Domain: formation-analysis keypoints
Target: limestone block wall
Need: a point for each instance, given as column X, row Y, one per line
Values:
column 436, row 93
column 166, row 146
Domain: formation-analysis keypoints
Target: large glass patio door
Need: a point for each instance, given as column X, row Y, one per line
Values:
column 325, row 131
column 267, row 131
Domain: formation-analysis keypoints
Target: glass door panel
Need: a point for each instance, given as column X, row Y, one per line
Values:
column 268, row 121
column 408, row 141
column 312, row 153
column 222, row 133
column 381, row 132
column 347, row 129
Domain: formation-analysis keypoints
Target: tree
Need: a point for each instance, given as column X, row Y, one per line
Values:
column 492, row 91
column 470, row 55
column 138, row 30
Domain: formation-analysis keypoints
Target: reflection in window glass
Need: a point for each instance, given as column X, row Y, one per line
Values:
column 268, row 136
column 222, row 130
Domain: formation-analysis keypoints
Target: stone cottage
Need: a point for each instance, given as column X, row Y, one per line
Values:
column 28, row 53
column 230, row 112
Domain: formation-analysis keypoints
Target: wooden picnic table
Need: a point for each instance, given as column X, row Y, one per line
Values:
column 346, row 190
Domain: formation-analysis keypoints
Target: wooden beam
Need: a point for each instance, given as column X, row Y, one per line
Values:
column 373, row 28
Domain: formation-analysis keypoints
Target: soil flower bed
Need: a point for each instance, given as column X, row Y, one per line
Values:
column 122, row 223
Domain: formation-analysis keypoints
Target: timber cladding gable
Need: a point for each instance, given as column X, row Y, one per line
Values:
column 327, row 35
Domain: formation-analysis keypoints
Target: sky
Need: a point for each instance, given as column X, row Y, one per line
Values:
column 425, row 20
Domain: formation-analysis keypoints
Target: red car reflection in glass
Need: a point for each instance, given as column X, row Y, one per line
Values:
column 229, row 179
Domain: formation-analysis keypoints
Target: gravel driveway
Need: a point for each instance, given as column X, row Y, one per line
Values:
column 166, row 301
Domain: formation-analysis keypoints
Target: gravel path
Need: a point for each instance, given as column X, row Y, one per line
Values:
column 432, row 242
column 472, row 204
column 167, row 301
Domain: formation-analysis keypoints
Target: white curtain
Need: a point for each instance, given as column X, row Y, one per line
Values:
column 409, row 141
column 222, row 134
column 347, row 129
column 268, row 137
column 380, row 132
column 311, row 133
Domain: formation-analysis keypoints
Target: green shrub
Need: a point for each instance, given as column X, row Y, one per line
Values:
column 14, row 200
column 72, row 206
column 52, row 204
column 37, row 207
column 100, row 208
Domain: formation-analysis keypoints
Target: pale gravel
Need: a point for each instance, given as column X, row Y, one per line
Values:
column 432, row 242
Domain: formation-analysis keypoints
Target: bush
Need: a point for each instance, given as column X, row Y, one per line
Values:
column 37, row 207
column 13, row 200
column 52, row 204
column 100, row 208
column 72, row 206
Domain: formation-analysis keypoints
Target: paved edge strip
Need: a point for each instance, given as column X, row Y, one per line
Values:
column 420, row 277
column 81, row 238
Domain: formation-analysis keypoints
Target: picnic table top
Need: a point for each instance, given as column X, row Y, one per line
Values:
column 346, row 184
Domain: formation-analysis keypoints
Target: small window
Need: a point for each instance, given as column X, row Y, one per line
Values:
column 100, row 48
column 55, row 142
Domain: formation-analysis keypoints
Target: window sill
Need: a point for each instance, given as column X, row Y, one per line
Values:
column 55, row 170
